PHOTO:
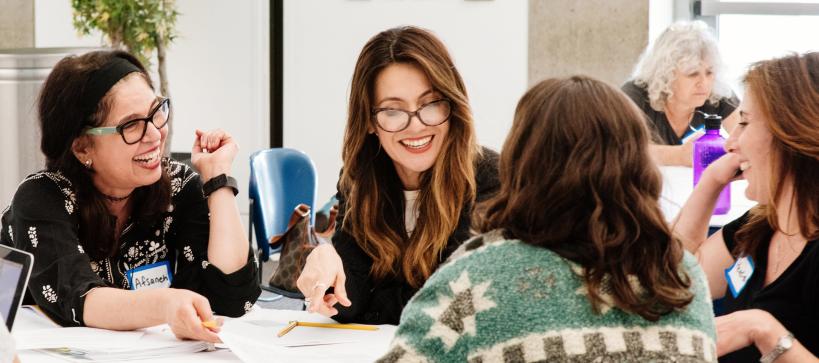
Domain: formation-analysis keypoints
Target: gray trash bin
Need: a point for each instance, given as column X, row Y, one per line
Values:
column 22, row 72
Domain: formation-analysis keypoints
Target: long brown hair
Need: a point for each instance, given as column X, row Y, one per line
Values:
column 576, row 178
column 61, row 120
column 369, row 174
column 786, row 91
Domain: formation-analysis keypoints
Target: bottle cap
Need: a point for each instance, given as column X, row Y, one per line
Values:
column 712, row 121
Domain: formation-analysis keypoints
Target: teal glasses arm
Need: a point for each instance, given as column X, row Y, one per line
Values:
column 101, row 131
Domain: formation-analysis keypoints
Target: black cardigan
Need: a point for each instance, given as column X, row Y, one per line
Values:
column 381, row 302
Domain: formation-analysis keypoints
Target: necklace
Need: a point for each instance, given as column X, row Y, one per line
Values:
column 115, row 199
column 778, row 251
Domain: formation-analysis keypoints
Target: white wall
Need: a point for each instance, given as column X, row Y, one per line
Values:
column 53, row 28
column 322, row 39
column 218, row 70
column 660, row 16
column 219, row 74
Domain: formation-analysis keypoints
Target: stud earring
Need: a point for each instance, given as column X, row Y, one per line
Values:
column 88, row 163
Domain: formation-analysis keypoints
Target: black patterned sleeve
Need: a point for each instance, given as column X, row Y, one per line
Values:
column 229, row 294
column 43, row 220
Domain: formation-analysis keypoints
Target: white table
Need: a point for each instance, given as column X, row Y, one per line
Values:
column 678, row 183
column 360, row 350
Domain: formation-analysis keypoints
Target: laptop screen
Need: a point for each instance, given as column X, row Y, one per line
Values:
column 15, row 269
column 10, row 273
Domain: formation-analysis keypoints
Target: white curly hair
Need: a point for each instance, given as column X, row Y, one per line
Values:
column 682, row 46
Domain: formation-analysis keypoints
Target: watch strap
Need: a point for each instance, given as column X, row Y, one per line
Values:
column 218, row 182
column 784, row 343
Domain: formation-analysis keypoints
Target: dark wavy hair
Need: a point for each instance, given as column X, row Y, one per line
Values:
column 61, row 121
column 576, row 178
column 787, row 92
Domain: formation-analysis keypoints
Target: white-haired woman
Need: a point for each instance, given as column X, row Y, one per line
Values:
column 676, row 77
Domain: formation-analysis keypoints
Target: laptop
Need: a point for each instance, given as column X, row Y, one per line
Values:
column 15, row 270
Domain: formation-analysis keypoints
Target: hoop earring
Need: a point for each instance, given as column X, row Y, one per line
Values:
column 88, row 164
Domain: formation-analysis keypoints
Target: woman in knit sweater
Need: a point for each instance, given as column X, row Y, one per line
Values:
column 576, row 262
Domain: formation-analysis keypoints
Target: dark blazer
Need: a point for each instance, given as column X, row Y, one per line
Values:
column 381, row 302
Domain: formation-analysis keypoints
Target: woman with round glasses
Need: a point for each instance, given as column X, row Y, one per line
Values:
column 412, row 172
column 123, row 238
column 675, row 82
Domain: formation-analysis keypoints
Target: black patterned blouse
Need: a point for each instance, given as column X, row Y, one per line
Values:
column 43, row 219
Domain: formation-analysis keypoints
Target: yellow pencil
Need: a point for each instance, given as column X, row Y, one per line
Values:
column 212, row 324
column 337, row 326
column 294, row 324
column 288, row 328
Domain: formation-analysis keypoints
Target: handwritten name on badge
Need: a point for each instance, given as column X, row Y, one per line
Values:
column 151, row 276
column 739, row 274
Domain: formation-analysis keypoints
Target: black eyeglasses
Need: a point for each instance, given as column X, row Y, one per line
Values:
column 131, row 131
column 430, row 114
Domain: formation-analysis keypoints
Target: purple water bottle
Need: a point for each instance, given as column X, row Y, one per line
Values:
column 707, row 149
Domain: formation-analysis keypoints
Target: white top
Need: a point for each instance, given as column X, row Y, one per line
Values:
column 411, row 210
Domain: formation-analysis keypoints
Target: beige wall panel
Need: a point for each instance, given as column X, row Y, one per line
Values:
column 16, row 24
column 600, row 38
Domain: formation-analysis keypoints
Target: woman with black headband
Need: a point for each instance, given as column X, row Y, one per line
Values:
column 123, row 238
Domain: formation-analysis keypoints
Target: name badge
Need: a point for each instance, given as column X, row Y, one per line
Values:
column 151, row 276
column 738, row 274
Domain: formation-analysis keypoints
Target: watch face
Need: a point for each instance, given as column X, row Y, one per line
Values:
column 787, row 342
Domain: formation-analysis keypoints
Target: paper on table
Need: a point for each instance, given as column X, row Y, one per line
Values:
column 266, row 323
column 242, row 339
column 137, row 352
column 80, row 338
column 30, row 317
column 253, row 339
column 90, row 344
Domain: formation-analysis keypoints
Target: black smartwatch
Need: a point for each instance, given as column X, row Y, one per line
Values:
column 220, row 181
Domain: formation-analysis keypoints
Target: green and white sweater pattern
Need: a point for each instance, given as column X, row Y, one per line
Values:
column 502, row 300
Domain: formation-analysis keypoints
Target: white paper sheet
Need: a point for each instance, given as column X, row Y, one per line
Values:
column 253, row 339
column 80, row 338
column 84, row 344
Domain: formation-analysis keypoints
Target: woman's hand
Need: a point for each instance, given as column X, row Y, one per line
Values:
column 213, row 153
column 185, row 311
column 322, row 270
column 745, row 327
column 724, row 170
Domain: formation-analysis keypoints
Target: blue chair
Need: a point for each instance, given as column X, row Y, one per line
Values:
column 280, row 179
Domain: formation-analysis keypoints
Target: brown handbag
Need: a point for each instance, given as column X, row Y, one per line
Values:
column 297, row 242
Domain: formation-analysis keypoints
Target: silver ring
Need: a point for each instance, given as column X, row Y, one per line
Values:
column 307, row 302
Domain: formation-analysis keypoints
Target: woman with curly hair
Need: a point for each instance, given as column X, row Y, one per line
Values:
column 675, row 82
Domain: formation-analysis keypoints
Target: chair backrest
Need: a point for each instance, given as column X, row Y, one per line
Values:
column 280, row 179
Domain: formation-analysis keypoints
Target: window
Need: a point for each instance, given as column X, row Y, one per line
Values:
column 751, row 31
